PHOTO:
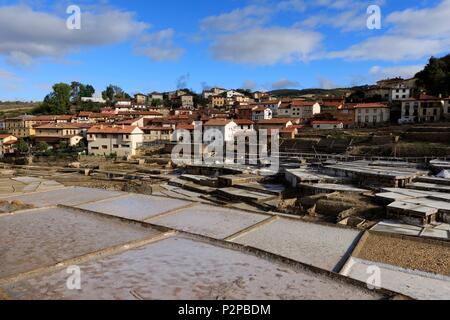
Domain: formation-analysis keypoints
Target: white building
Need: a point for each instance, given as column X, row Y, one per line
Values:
column 7, row 142
column 225, row 126
column 371, row 114
column 273, row 105
column 155, row 96
column 425, row 108
column 93, row 99
column 244, row 125
column 123, row 103
column 187, row 101
column 261, row 113
column 327, row 125
column 304, row 109
column 447, row 108
column 212, row 92
column 120, row 140
column 232, row 94
column 400, row 92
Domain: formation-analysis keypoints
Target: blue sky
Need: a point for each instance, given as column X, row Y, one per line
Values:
column 146, row 46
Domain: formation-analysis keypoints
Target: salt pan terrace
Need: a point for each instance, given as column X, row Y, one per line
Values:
column 132, row 246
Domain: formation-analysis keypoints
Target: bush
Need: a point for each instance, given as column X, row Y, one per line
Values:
column 42, row 146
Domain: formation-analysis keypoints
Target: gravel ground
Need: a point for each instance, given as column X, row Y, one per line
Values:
column 407, row 253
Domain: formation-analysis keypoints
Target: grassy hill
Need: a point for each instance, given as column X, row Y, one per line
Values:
column 9, row 109
column 289, row 93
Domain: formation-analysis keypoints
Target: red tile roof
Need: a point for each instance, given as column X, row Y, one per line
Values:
column 150, row 113
column 58, row 126
column 185, row 127
column 244, row 122
column 112, row 129
column 260, row 109
column 3, row 136
column 11, row 142
column 327, row 122
column 287, row 130
column 217, row 122
column 154, row 128
column 275, row 121
column 298, row 103
column 370, row 105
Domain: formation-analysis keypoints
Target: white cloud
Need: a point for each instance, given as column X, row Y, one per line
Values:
column 345, row 15
column 285, row 84
column 396, row 71
column 266, row 46
column 249, row 85
column 160, row 46
column 250, row 16
column 392, row 48
column 327, row 84
column 9, row 81
column 429, row 23
column 412, row 35
column 237, row 19
column 26, row 34
column 7, row 75
column 291, row 5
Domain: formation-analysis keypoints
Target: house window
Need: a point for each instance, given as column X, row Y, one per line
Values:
column 104, row 147
column 94, row 148
column 115, row 146
column 104, row 136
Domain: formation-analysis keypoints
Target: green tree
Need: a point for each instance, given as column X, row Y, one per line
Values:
column 156, row 102
column 82, row 144
column 114, row 92
column 22, row 146
column 80, row 90
column 63, row 145
column 90, row 106
column 57, row 102
column 42, row 146
column 435, row 77
column 108, row 94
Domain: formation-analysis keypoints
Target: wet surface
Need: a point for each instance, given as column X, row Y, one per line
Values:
column 8, row 186
column 215, row 222
column 179, row 268
column 318, row 245
column 397, row 227
column 65, row 196
column 44, row 237
column 418, row 285
column 136, row 207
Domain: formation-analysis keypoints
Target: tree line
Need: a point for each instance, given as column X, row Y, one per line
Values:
column 65, row 95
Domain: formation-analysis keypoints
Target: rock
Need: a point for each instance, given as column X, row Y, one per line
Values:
column 75, row 165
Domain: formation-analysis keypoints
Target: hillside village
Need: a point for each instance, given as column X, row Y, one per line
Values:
column 363, row 179
column 122, row 125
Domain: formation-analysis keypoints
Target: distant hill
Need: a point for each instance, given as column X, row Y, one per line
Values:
column 8, row 109
column 288, row 93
